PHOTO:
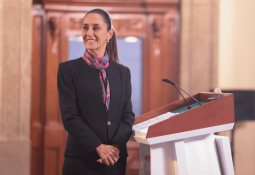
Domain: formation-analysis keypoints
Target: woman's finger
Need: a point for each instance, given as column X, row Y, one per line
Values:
column 110, row 160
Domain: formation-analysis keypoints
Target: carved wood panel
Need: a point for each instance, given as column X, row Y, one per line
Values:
column 54, row 134
column 110, row 2
column 130, row 25
column 37, row 102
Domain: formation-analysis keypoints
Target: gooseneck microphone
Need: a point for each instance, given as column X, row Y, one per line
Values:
column 178, row 88
column 178, row 91
column 185, row 100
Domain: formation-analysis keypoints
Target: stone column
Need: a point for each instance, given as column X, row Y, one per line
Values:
column 15, row 86
column 198, row 55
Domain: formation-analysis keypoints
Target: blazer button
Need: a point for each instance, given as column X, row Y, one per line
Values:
column 109, row 123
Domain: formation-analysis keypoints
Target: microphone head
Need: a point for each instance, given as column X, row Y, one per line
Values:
column 168, row 81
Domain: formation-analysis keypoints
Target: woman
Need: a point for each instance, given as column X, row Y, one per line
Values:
column 95, row 102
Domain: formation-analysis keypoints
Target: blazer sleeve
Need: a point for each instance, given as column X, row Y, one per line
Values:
column 125, row 128
column 71, row 118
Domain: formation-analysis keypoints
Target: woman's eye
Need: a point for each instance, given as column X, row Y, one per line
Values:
column 96, row 28
column 86, row 28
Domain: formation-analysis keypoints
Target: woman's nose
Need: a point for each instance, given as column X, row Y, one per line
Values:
column 90, row 31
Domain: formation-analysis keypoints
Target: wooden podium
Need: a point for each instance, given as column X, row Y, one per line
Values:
column 175, row 140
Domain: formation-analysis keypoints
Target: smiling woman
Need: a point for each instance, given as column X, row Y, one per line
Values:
column 97, row 33
column 95, row 102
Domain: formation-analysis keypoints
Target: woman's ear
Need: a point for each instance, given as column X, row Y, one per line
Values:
column 110, row 34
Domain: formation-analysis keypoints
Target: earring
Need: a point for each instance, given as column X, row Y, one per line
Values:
column 108, row 40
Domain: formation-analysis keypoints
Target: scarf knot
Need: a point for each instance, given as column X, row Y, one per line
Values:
column 101, row 66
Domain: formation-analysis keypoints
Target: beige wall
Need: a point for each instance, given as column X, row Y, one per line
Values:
column 236, row 60
column 1, row 55
column 15, row 82
column 236, row 44
column 217, row 44
column 198, row 48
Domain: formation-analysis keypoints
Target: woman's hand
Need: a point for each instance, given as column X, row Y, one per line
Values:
column 108, row 154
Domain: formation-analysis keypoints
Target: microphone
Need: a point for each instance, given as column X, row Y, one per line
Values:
column 178, row 91
column 178, row 88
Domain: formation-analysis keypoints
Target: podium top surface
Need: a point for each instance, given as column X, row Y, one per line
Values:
column 216, row 109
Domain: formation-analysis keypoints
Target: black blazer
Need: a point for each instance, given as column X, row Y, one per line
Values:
column 83, row 111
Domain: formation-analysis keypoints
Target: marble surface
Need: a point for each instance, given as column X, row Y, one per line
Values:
column 15, row 83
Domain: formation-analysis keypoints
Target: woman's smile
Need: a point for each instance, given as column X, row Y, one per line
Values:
column 90, row 40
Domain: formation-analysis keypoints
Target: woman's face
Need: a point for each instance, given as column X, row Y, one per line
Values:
column 95, row 34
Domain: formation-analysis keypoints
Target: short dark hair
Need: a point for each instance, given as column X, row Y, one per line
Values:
column 111, row 47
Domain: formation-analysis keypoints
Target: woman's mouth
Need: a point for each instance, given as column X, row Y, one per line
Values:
column 90, row 40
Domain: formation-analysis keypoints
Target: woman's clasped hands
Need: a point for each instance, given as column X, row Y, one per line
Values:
column 109, row 154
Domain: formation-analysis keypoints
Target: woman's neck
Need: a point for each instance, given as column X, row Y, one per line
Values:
column 95, row 54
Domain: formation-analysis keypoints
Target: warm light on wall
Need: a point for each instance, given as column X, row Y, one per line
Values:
column 236, row 45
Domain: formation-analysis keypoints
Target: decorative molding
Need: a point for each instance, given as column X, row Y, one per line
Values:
column 156, row 28
column 157, row 25
column 110, row 2
column 132, row 26
column 54, row 27
column 172, row 23
column 75, row 23
column 142, row 6
column 37, row 1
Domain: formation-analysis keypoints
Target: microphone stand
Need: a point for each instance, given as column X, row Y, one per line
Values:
column 185, row 100
column 189, row 95
column 178, row 88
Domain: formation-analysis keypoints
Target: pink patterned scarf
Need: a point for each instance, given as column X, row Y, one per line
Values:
column 101, row 66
